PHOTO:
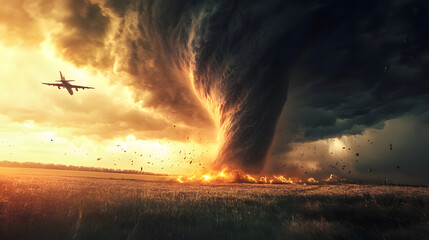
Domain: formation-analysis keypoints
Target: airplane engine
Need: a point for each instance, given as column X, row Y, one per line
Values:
column 59, row 87
column 77, row 89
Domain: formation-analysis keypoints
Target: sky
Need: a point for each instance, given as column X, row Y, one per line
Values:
column 184, row 87
column 113, row 122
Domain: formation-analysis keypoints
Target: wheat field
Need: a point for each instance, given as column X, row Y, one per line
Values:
column 53, row 206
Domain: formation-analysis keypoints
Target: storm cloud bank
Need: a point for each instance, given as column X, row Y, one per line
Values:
column 365, row 63
column 352, row 66
column 341, row 67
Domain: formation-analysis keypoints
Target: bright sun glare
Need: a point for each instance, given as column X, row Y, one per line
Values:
column 44, row 124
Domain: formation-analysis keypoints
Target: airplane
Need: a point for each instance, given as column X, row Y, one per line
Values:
column 65, row 84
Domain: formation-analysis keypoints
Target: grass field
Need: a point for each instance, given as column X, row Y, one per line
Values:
column 67, row 206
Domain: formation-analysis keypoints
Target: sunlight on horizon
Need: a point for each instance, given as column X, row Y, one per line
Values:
column 35, row 129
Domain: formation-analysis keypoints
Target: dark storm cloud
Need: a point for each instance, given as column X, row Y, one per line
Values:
column 365, row 63
column 350, row 66
column 342, row 66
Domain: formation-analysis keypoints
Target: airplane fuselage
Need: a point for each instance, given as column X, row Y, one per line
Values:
column 67, row 86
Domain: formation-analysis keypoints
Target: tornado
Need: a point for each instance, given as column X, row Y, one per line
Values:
column 243, row 52
column 233, row 63
column 228, row 58
column 241, row 71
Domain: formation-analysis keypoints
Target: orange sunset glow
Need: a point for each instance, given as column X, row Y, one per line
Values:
column 112, row 126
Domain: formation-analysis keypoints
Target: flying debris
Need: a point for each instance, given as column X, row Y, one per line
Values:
column 386, row 68
column 98, row 159
column 66, row 84
column 357, row 154
column 391, row 148
column 397, row 167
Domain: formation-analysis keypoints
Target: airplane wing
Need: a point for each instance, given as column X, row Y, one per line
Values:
column 54, row 84
column 80, row 87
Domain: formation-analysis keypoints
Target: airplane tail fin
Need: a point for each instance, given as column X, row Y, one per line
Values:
column 62, row 77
